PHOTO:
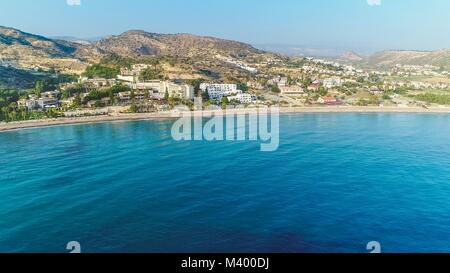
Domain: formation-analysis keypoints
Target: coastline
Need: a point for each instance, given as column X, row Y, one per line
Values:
column 29, row 124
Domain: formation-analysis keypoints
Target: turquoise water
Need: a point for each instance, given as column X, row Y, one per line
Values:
column 337, row 182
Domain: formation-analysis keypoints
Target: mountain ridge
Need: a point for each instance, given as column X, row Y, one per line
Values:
column 31, row 51
column 389, row 58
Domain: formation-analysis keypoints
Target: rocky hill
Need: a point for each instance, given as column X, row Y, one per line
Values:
column 183, row 55
column 136, row 43
column 29, row 51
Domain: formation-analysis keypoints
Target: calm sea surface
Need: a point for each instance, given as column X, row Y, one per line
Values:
column 337, row 182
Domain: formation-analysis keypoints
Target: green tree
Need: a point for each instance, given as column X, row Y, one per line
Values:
column 224, row 102
column 322, row 91
column 205, row 96
column 276, row 89
column 42, row 86
column 111, row 96
column 166, row 95
column 151, row 73
column 102, row 71
column 77, row 100
column 242, row 86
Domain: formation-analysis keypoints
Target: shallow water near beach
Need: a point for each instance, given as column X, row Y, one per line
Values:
column 336, row 182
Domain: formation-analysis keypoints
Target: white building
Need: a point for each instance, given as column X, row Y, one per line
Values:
column 279, row 81
column 182, row 91
column 243, row 98
column 332, row 82
column 126, row 78
column 292, row 90
column 158, row 89
column 218, row 91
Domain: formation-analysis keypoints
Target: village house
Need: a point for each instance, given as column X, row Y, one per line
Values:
column 255, row 85
column 329, row 101
column 279, row 81
column 314, row 86
column 292, row 91
column 332, row 82
column 376, row 91
column 22, row 103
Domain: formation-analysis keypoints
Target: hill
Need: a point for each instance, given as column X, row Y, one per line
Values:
column 28, row 51
column 440, row 58
column 179, row 55
column 184, row 55
column 351, row 57
column 137, row 43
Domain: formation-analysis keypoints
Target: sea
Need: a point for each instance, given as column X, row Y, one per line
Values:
column 337, row 182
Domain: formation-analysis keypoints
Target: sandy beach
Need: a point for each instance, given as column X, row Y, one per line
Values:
column 174, row 114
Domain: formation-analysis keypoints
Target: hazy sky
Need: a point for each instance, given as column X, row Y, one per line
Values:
column 361, row 25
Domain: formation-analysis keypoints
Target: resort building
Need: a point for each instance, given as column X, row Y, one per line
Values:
column 45, row 103
column 181, row 91
column 243, row 98
column 218, row 91
column 292, row 91
column 97, row 82
column 159, row 88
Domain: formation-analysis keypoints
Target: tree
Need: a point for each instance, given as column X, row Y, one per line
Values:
column 166, row 95
column 151, row 73
column 306, row 81
column 290, row 80
column 225, row 101
column 242, row 86
column 42, row 86
column 205, row 96
column 322, row 91
column 102, row 71
column 77, row 100
column 133, row 108
column 111, row 96
column 276, row 89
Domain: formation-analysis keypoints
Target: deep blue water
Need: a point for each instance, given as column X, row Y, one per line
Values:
column 337, row 182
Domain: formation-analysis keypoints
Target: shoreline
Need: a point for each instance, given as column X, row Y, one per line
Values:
column 30, row 124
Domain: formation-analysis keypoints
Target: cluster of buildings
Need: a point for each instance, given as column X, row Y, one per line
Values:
column 156, row 88
column 238, row 64
column 417, row 85
column 44, row 101
column 418, row 70
column 333, row 68
column 159, row 89
column 332, row 82
column 217, row 91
